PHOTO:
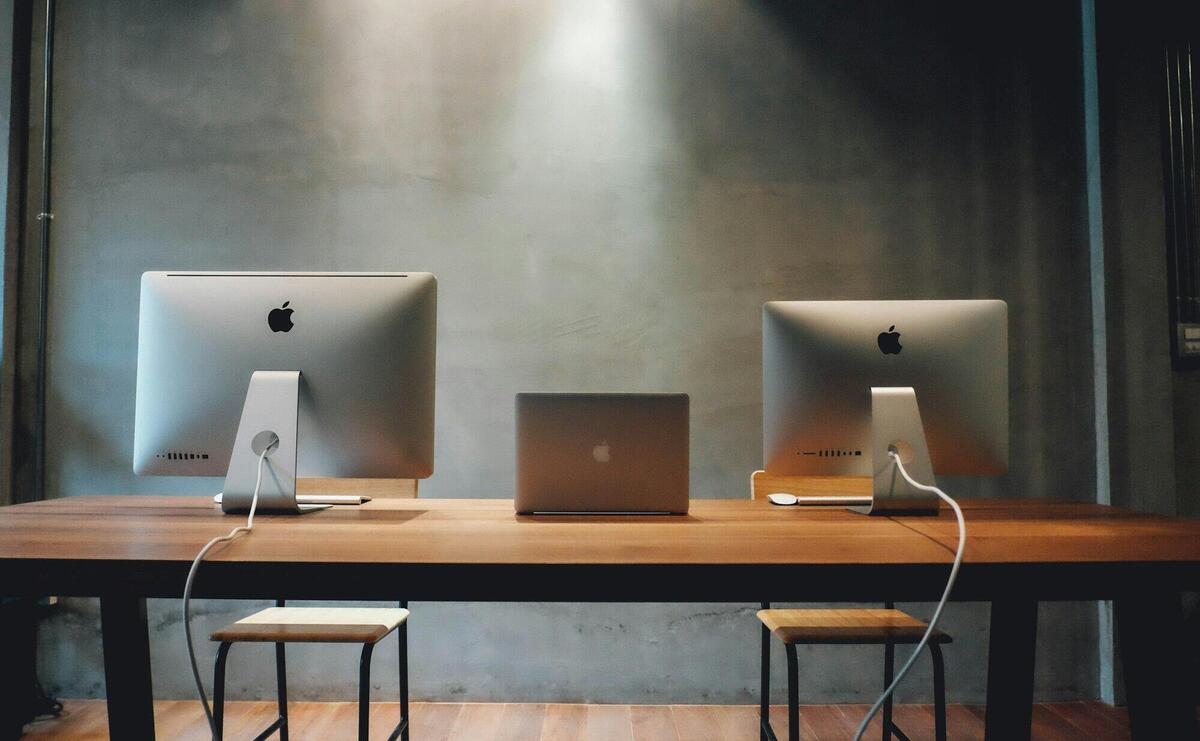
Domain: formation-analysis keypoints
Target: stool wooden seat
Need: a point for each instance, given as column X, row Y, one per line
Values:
column 864, row 625
column 314, row 625
column 838, row 626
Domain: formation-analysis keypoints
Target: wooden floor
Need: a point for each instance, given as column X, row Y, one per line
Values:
column 318, row 721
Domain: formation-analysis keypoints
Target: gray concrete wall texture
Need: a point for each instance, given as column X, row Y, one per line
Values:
column 6, row 53
column 608, row 190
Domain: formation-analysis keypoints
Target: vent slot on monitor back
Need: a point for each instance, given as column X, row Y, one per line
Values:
column 181, row 455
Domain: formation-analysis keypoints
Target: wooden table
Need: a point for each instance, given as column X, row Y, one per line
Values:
column 125, row 549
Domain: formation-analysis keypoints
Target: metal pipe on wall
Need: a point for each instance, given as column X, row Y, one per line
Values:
column 45, row 216
column 14, row 239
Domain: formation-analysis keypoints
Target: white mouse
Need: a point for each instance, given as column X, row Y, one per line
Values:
column 781, row 498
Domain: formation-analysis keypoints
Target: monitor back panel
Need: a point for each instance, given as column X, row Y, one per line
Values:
column 821, row 358
column 602, row 453
column 363, row 343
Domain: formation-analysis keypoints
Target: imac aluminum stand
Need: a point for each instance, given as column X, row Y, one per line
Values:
column 896, row 424
column 270, row 418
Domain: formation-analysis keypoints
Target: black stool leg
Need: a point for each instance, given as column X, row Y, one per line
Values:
column 764, row 696
column 889, row 668
column 793, row 693
column 939, row 692
column 219, row 692
column 364, row 692
column 281, row 683
column 402, row 639
column 281, row 688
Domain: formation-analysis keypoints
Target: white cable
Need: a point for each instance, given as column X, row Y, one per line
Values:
column 187, row 588
column 958, row 557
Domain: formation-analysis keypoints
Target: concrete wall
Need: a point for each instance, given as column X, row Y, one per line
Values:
column 6, row 53
column 608, row 190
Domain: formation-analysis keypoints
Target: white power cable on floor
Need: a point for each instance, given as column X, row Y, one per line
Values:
column 187, row 588
column 958, row 557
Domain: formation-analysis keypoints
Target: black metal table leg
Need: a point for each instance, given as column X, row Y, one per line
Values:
column 1157, row 685
column 18, row 625
column 1011, row 648
column 127, row 667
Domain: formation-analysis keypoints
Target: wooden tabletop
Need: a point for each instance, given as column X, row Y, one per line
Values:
column 479, row 549
column 1039, row 531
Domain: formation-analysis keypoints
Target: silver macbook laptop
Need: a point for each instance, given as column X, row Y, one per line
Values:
column 593, row 453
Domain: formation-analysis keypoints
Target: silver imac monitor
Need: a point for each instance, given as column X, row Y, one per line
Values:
column 333, row 372
column 844, row 381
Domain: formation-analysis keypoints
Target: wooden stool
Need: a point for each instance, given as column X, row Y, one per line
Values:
column 862, row 626
column 866, row 626
column 281, row 625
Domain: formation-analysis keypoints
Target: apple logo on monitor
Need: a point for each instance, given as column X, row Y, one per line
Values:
column 280, row 320
column 602, row 453
column 889, row 341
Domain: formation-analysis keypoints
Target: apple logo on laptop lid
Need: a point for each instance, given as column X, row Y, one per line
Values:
column 602, row 453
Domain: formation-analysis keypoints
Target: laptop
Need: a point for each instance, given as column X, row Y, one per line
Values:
column 602, row 453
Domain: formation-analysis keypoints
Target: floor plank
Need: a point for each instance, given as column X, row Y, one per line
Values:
column 564, row 723
column 963, row 725
column 246, row 720
column 326, row 720
column 779, row 722
column 1047, row 724
column 653, row 723
column 177, row 720
column 609, row 723
column 852, row 715
column 478, row 721
column 1084, row 716
column 434, row 721
column 694, row 722
column 1113, row 713
column 915, row 720
column 182, row 720
column 80, row 720
column 384, row 717
column 737, row 721
column 829, row 722
column 521, row 722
